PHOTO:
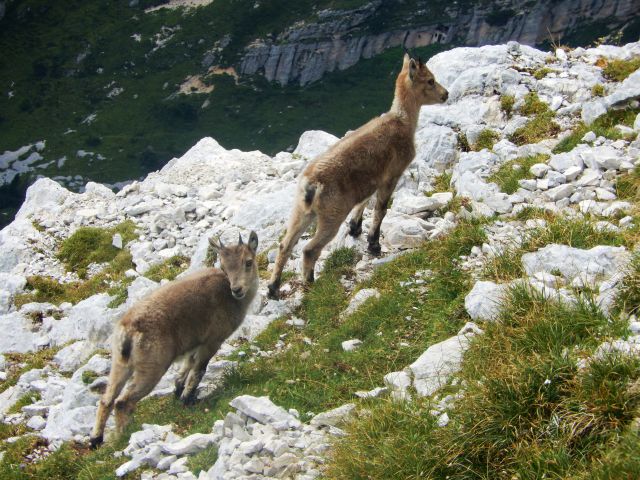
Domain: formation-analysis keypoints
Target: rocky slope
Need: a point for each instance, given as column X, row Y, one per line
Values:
column 304, row 52
column 214, row 191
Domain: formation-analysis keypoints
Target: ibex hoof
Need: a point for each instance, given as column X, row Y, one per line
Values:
column 273, row 291
column 374, row 249
column 178, row 390
column 95, row 442
column 189, row 399
column 355, row 229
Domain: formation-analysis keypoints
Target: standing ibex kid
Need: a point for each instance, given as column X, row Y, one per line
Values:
column 190, row 317
column 368, row 160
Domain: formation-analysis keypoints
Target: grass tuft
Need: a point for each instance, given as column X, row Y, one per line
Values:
column 597, row 90
column 169, row 269
column 618, row 70
column 486, row 139
column 506, row 104
column 93, row 245
column 511, row 172
column 538, row 128
column 533, row 105
column 603, row 126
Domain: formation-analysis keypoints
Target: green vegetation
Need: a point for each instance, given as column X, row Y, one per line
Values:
column 510, row 172
column 486, row 139
column 463, row 142
column 506, row 104
column 532, row 105
column 618, row 70
column 603, row 126
column 538, row 128
column 628, row 185
column 597, row 90
column 442, row 183
column 20, row 363
column 27, row 399
column 89, row 376
column 528, row 412
column 169, row 269
column 628, row 300
column 578, row 233
column 93, row 245
column 540, row 73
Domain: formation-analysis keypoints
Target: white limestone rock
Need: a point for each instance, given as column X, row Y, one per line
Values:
column 313, row 143
column 190, row 445
column 433, row 368
column 484, row 299
column 359, row 298
column 351, row 345
column 72, row 356
column 265, row 411
column 333, row 418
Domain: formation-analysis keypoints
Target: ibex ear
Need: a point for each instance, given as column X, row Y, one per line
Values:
column 217, row 246
column 413, row 68
column 405, row 61
column 253, row 241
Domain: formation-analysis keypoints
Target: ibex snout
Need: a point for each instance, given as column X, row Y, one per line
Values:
column 238, row 292
column 445, row 96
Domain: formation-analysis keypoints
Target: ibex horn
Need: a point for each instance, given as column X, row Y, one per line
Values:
column 239, row 239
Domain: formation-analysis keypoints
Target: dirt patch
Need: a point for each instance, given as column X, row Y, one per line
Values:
column 194, row 84
column 180, row 4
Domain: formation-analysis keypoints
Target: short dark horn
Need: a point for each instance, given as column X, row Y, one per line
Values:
column 239, row 239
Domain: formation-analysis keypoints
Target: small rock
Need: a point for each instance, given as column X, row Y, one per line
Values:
column 351, row 345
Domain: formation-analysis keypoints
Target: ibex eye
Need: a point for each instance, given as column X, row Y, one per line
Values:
column 432, row 81
column 249, row 263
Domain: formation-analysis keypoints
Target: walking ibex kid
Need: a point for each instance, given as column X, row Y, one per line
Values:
column 370, row 159
column 192, row 316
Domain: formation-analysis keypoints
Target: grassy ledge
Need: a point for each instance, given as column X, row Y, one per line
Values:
column 509, row 173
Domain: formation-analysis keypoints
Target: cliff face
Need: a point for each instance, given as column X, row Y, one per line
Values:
column 339, row 39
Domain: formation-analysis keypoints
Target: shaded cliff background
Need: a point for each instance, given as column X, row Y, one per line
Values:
column 109, row 91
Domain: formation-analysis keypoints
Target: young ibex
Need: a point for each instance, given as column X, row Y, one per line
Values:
column 192, row 316
column 370, row 159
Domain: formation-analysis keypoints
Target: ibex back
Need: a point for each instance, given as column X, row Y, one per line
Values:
column 368, row 160
column 192, row 316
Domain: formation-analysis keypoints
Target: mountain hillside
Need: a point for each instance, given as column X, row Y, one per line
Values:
column 496, row 337
column 109, row 91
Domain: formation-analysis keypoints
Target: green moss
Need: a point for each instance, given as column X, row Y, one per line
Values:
column 538, row 128
column 506, row 104
column 28, row 361
column 169, row 269
column 463, row 142
column 486, row 139
column 618, row 70
column 93, row 245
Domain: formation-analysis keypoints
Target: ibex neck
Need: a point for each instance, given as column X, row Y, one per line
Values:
column 406, row 109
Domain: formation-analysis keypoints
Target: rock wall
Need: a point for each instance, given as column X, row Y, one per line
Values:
column 339, row 39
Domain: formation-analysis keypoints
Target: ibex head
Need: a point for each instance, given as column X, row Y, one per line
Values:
column 420, row 81
column 239, row 264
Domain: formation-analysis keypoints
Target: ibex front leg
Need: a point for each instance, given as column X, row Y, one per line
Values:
column 355, row 223
column 382, row 203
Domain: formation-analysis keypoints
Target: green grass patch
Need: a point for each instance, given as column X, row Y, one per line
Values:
column 618, row 70
column 203, row 460
column 506, row 104
column 509, row 173
column 20, row 363
column 538, row 128
column 603, row 126
column 486, row 139
column 441, row 183
column 577, row 233
column 89, row 376
column 532, row 105
column 93, row 245
column 542, row 72
column 597, row 90
column 169, row 269
column 26, row 399
column 528, row 412
column 628, row 186
column 628, row 300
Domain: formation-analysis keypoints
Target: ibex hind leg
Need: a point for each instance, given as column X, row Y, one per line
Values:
column 144, row 378
column 326, row 230
column 120, row 373
column 382, row 202
column 298, row 223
